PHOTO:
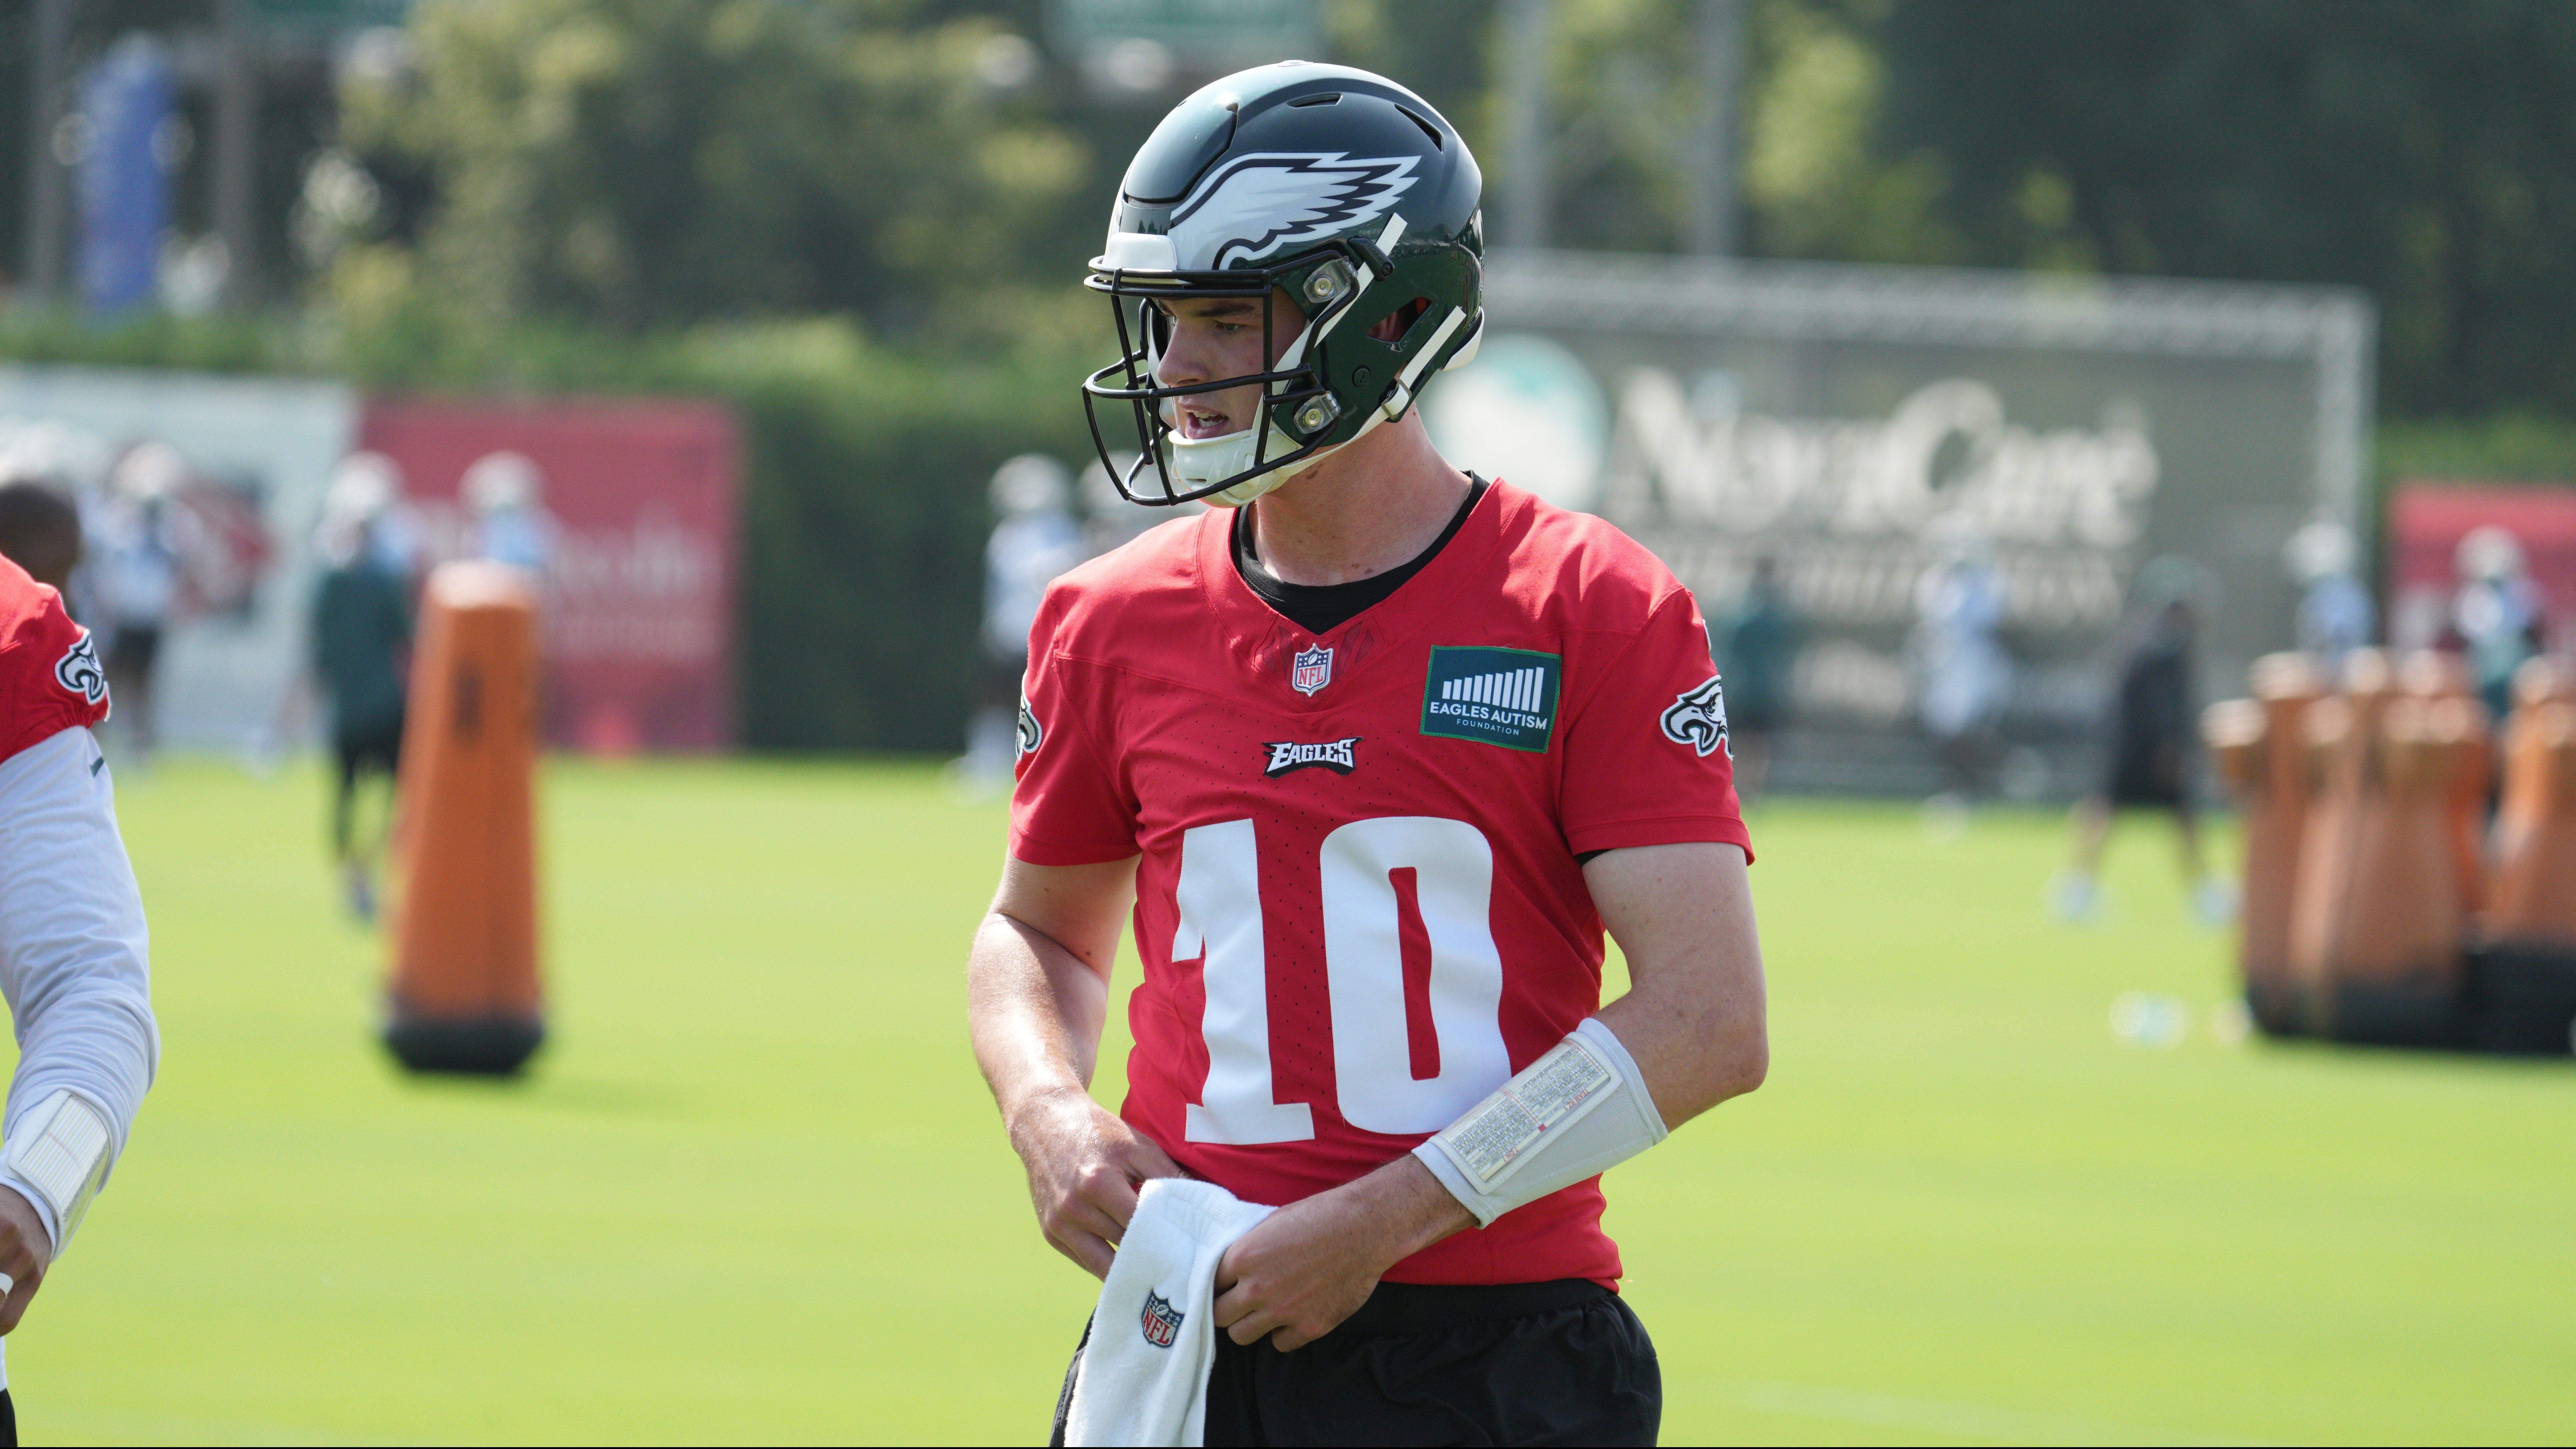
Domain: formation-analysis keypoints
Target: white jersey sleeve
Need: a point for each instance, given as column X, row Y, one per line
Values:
column 74, row 955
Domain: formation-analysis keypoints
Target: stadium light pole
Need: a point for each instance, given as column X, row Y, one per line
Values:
column 1711, row 167
column 1527, row 37
column 52, row 24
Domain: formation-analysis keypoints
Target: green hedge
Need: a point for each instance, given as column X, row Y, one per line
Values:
column 863, row 535
column 863, row 512
column 2508, row 447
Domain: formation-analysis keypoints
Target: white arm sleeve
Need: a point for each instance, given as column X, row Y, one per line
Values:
column 73, row 950
column 1580, row 1110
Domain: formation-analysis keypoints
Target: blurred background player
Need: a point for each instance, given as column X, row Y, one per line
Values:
column 506, row 494
column 2153, row 741
column 73, row 952
column 1034, row 540
column 360, row 632
column 1109, row 520
column 40, row 531
column 1757, row 655
column 135, row 568
column 368, row 485
column 1963, row 672
column 2497, row 612
column 2335, row 613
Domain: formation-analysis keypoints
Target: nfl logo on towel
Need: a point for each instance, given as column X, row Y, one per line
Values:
column 1311, row 670
column 1158, row 1320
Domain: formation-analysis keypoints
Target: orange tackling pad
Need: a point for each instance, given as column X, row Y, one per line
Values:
column 464, row 995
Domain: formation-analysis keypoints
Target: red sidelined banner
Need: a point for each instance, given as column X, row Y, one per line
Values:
column 637, row 502
column 2426, row 522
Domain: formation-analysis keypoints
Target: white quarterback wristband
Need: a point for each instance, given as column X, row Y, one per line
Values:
column 60, row 1149
column 1581, row 1109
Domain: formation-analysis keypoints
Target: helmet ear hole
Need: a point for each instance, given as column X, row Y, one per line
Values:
column 1393, row 326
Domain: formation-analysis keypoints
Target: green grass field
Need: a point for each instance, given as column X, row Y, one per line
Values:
column 755, row 1191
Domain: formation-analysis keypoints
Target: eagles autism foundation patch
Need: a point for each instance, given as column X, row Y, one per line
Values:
column 1501, row 697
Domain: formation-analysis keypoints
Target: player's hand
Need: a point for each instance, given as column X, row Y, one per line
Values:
column 25, row 1253
column 1084, row 1168
column 1312, row 1264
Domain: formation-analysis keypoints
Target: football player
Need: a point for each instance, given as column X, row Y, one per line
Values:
column 1374, row 750
column 72, row 946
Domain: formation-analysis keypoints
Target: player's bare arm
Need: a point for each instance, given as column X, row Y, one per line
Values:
column 1037, row 994
column 1694, row 1015
column 1693, row 1019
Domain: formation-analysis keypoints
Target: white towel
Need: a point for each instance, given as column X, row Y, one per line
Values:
column 1144, row 1372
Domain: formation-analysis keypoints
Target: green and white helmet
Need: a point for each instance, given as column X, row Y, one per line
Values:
column 1343, row 188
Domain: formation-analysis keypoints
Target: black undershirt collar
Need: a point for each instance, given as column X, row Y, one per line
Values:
column 1321, row 608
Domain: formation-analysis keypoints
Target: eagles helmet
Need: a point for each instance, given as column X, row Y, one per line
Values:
column 1343, row 188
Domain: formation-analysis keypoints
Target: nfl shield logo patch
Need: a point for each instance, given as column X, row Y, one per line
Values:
column 1311, row 670
column 1160, row 1322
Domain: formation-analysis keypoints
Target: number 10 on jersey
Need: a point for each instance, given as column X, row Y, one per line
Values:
column 1219, row 900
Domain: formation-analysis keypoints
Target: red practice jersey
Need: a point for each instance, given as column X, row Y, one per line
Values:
column 1359, row 905
column 50, row 677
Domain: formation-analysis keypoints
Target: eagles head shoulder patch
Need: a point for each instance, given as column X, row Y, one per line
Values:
column 1697, row 718
column 1032, row 734
column 79, row 670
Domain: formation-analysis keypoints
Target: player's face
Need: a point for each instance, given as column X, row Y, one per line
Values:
column 1220, row 337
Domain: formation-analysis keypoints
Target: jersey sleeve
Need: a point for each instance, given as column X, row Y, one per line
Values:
column 74, row 949
column 1069, row 805
column 51, row 679
column 1646, row 759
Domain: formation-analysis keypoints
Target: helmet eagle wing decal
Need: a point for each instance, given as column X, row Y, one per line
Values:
column 1255, row 205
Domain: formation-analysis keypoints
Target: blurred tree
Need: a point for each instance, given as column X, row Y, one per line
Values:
column 1625, row 96
column 652, row 162
column 1440, row 49
column 2425, row 152
column 1816, row 183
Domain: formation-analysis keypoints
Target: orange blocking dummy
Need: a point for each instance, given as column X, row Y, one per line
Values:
column 2260, row 746
column 2526, row 994
column 464, row 996
column 2432, row 675
column 2376, row 926
column 2534, row 900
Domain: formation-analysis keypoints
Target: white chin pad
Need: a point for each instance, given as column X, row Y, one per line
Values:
column 1195, row 463
column 1578, row 1111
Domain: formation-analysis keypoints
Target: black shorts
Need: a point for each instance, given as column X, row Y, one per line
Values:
column 133, row 647
column 1523, row 1363
column 2147, row 773
column 374, row 746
